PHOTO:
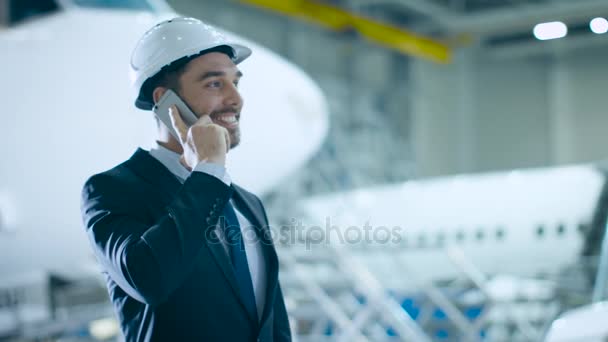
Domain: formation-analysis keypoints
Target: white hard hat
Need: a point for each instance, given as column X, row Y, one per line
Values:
column 172, row 40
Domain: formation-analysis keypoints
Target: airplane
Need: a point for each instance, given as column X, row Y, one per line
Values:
column 508, row 236
column 525, row 222
column 69, row 114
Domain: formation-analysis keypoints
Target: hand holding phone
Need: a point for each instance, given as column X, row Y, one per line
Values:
column 161, row 110
column 201, row 139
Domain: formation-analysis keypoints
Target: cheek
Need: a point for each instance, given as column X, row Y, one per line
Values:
column 203, row 103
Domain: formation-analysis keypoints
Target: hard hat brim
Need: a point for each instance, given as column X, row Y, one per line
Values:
column 240, row 53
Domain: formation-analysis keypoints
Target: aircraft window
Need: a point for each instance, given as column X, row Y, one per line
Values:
column 480, row 234
column 440, row 239
column 460, row 236
column 540, row 231
column 422, row 241
column 583, row 228
column 115, row 4
column 24, row 9
column 403, row 241
column 561, row 229
column 500, row 233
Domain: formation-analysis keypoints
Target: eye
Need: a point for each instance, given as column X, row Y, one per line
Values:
column 236, row 83
column 214, row 84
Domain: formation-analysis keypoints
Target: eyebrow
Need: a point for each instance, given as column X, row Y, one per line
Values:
column 210, row 74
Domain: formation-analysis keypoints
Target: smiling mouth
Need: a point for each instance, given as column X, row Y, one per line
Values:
column 228, row 120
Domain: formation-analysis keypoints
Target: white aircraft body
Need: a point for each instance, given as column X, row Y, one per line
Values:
column 499, row 241
column 525, row 223
column 69, row 114
column 511, row 234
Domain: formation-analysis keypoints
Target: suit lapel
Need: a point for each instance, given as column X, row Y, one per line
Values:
column 248, row 206
column 161, row 178
column 155, row 173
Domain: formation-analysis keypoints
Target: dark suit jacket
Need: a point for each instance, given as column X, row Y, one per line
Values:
column 167, row 279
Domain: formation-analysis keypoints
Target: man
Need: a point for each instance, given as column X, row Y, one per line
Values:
column 171, row 231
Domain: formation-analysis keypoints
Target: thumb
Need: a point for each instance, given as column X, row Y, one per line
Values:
column 204, row 120
column 182, row 161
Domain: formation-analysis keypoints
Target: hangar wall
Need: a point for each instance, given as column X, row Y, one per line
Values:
column 483, row 114
column 479, row 113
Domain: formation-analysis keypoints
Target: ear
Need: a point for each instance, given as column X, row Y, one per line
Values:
column 158, row 93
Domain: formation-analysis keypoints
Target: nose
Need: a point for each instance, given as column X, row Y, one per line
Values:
column 233, row 97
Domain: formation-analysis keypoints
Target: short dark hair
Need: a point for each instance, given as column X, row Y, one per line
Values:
column 169, row 75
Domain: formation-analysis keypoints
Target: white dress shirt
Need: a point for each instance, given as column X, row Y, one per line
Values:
column 253, row 246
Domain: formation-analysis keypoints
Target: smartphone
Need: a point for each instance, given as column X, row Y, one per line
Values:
column 161, row 110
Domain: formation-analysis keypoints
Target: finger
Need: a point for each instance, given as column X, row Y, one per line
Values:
column 182, row 161
column 204, row 120
column 178, row 124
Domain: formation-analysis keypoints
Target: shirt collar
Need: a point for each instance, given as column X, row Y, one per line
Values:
column 171, row 161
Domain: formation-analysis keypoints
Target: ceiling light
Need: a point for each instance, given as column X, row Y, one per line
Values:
column 552, row 30
column 599, row 25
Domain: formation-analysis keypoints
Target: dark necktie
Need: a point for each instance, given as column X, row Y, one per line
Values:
column 236, row 247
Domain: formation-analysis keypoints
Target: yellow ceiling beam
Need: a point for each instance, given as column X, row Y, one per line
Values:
column 338, row 19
